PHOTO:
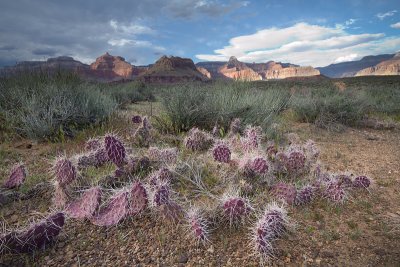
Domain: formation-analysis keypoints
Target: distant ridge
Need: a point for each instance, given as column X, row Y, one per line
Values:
column 350, row 68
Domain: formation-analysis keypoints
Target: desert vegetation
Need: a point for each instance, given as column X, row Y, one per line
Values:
column 214, row 161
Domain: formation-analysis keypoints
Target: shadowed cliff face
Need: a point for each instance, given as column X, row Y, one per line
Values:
column 171, row 70
column 387, row 67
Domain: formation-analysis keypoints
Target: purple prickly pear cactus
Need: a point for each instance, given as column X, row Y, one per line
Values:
column 115, row 149
column 221, row 153
column 361, row 182
column 64, row 171
column 197, row 225
column 197, row 140
column 171, row 211
column 162, row 175
column 252, row 138
column 137, row 119
column 101, row 157
column 137, row 199
column 305, row 195
column 119, row 172
column 86, row 205
column 35, row 237
column 286, row 192
column 296, row 162
column 259, row 165
column 344, row 180
column 161, row 194
column 335, row 192
column 236, row 209
column 17, row 176
column 114, row 212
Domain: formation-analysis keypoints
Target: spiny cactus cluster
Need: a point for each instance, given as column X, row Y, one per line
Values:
column 272, row 224
column 198, row 140
column 17, row 176
column 34, row 237
column 291, row 174
column 221, row 152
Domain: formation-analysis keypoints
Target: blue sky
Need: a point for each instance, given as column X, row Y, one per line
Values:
column 314, row 33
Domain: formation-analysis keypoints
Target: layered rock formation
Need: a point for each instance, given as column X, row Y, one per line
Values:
column 237, row 70
column 171, row 70
column 349, row 69
column 387, row 67
column 204, row 71
column 277, row 70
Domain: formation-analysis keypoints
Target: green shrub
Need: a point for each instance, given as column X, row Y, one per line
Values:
column 43, row 106
column 203, row 106
column 127, row 93
column 329, row 106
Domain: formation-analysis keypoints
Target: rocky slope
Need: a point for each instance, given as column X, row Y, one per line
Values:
column 171, row 70
column 349, row 69
column 234, row 69
column 387, row 67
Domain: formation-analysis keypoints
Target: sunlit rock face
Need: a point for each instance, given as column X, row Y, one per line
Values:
column 387, row 67
column 237, row 70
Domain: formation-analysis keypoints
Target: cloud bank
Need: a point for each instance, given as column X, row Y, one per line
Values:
column 304, row 44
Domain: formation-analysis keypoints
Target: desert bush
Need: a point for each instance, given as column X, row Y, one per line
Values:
column 203, row 106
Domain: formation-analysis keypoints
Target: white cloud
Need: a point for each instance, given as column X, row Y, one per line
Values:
column 304, row 44
column 346, row 58
column 382, row 16
column 131, row 29
column 350, row 22
column 396, row 25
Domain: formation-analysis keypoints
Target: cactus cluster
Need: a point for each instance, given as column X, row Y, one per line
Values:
column 92, row 144
column 361, row 182
column 115, row 149
column 305, row 195
column 198, row 140
column 162, row 175
column 34, row 237
column 160, row 194
column 221, row 152
column 17, row 176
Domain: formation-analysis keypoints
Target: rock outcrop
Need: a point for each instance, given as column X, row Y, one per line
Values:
column 172, row 70
column 237, row 70
column 112, row 68
column 387, row 67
